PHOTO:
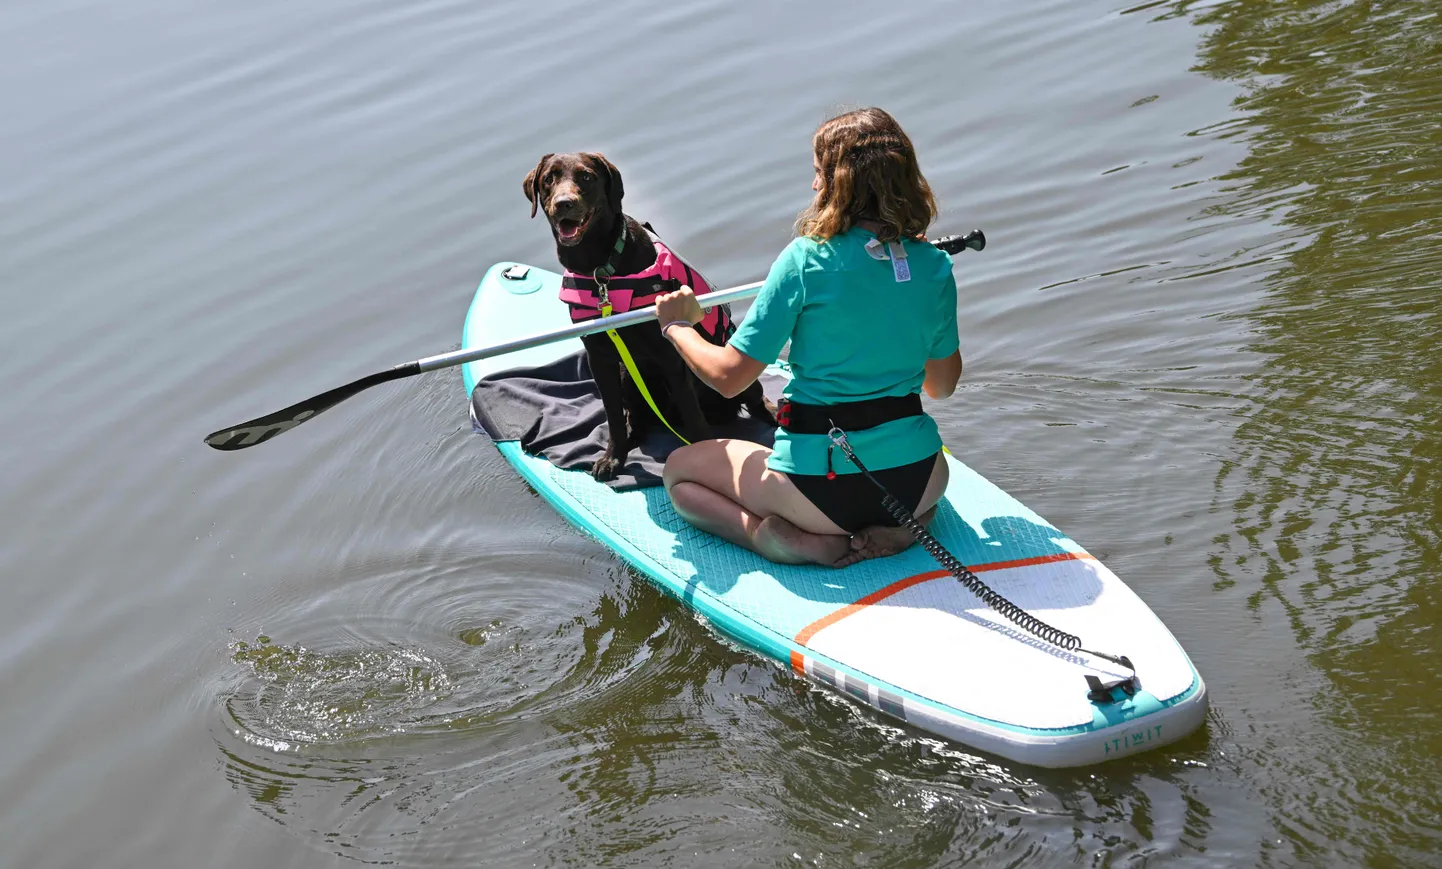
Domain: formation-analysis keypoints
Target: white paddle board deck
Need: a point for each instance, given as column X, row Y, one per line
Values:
column 898, row 634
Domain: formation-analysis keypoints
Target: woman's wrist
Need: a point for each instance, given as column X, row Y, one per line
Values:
column 666, row 329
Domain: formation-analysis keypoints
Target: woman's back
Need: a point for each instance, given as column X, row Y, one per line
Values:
column 860, row 333
column 856, row 332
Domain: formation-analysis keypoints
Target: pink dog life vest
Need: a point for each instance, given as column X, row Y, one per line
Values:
column 629, row 292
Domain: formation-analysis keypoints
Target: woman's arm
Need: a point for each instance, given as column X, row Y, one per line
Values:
column 942, row 375
column 724, row 369
column 943, row 367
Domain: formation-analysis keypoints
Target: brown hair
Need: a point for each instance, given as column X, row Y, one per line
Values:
column 868, row 171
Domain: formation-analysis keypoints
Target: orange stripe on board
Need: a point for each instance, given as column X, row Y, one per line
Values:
column 826, row 621
column 798, row 663
column 881, row 594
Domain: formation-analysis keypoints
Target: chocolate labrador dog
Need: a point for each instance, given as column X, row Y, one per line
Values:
column 580, row 195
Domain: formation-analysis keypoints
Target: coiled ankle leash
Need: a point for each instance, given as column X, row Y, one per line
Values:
column 1100, row 692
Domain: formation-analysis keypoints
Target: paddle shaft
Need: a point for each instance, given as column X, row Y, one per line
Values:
column 589, row 327
column 974, row 240
column 262, row 429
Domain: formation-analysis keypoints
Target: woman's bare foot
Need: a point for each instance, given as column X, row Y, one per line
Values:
column 779, row 540
column 879, row 541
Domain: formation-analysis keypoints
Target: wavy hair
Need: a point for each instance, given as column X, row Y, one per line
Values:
column 868, row 172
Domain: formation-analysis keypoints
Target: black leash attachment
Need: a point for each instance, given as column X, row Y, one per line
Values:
column 1099, row 692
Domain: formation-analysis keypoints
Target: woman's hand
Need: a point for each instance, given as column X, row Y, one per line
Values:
column 724, row 368
column 680, row 306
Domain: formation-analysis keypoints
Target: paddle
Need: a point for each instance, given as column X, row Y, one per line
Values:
column 262, row 429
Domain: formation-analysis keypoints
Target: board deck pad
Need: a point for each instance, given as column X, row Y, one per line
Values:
column 899, row 633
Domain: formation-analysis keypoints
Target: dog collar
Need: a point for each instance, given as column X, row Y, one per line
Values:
column 608, row 268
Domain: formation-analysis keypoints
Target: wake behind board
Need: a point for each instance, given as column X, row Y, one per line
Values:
column 898, row 634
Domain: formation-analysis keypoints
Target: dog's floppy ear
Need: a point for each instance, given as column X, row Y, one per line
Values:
column 532, row 185
column 615, row 189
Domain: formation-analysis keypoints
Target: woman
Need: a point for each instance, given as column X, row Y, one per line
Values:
column 870, row 310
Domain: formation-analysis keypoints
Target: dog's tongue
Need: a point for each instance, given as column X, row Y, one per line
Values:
column 569, row 228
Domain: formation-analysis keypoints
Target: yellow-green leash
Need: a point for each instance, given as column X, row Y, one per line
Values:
column 636, row 374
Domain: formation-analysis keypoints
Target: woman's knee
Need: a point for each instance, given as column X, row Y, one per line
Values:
column 681, row 466
column 684, row 497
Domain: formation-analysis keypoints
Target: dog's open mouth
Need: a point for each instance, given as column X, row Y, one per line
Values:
column 570, row 230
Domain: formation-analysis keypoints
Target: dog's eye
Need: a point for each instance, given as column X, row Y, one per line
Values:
column 587, row 177
column 553, row 174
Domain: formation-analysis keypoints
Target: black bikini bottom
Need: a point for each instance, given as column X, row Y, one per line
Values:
column 853, row 502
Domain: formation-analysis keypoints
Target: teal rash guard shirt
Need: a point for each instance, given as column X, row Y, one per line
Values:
column 856, row 332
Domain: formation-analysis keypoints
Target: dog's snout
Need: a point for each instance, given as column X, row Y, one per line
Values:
column 566, row 199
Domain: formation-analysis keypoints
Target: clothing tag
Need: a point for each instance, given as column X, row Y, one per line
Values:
column 873, row 248
column 899, row 266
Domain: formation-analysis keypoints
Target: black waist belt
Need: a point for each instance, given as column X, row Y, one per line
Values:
column 847, row 416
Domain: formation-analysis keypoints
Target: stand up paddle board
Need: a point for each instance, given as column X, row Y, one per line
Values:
column 899, row 634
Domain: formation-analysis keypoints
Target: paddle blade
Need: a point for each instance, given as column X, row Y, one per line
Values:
column 262, row 429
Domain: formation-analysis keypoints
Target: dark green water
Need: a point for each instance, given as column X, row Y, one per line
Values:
column 1333, row 489
column 1205, row 341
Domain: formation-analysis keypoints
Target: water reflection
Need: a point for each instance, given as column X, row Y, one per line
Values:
column 1334, row 486
column 650, row 736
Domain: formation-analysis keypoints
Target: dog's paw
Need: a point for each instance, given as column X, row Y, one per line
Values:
column 763, row 411
column 605, row 468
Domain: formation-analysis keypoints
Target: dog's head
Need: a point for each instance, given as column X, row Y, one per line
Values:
column 576, row 191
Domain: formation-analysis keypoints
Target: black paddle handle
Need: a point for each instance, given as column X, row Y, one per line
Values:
column 976, row 240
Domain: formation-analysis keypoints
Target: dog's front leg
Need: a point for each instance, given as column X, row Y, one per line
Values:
column 606, row 369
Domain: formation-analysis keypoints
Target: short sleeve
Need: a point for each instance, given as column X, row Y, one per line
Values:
column 772, row 318
column 946, row 341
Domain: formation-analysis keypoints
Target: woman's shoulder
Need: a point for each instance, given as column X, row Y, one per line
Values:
column 793, row 259
column 807, row 254
column 848, row 250
column 803, row 246
column 928, row 259
column 815, row 252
